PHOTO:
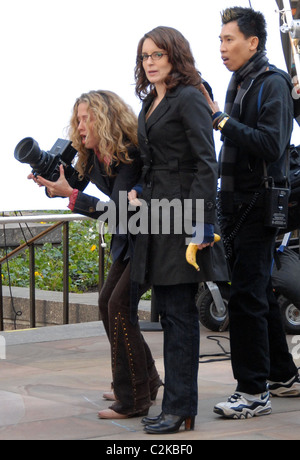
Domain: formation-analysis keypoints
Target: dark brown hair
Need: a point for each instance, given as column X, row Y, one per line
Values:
column 180, row 57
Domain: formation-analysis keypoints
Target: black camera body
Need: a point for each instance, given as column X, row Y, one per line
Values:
column 46, row 164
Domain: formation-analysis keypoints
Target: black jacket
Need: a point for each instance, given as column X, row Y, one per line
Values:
column 178, row 153
column 263, row 132
column 124, row 178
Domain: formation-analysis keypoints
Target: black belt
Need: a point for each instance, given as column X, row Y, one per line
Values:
column 174, row 167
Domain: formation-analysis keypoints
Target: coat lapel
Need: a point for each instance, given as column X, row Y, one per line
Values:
column 159, row 112
column 142, row 120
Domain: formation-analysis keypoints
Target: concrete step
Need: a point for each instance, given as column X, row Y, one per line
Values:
column 49, row 308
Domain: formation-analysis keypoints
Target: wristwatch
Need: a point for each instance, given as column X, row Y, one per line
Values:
column 222, row 123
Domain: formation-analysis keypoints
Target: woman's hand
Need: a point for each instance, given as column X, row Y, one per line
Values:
column 205, row 245
column 32, row 177
column 59, row 188
column 133, row 198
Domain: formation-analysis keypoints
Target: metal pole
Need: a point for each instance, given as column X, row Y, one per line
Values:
column 42, row 218
column 154, row 312
column 66, row 273
column 32, row 286
column 1, row 302
column 101, row 268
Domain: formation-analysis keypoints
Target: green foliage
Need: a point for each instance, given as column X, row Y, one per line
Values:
column 83, row 262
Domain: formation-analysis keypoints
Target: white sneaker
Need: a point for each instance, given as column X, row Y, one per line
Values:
column 290, row 389
column 243, row 405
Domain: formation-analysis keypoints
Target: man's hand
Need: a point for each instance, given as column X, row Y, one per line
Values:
column 212, row 104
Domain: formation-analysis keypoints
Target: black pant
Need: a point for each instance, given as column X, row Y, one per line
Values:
column 133, row 369
column 180, row 321
column 259, row 349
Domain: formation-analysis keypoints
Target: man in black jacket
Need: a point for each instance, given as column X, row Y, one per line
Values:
column 256, row 128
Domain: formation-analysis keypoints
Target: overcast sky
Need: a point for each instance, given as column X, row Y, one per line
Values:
column 51, row 52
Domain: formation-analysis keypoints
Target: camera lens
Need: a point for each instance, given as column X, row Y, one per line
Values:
column 28, row 151
column 46, row 164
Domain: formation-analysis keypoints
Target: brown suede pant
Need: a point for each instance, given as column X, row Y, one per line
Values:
column 134, row 373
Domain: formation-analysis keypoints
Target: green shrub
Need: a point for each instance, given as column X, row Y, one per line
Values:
column 83, row 262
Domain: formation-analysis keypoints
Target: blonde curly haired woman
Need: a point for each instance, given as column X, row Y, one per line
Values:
column 103, row 129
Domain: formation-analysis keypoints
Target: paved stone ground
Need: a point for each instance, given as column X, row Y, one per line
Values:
column 53, row 378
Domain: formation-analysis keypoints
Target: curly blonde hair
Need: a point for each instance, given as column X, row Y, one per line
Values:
column 116, row 126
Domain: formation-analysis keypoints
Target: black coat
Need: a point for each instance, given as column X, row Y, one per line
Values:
column 178, row 153
column 124, row 177
column 263, row 132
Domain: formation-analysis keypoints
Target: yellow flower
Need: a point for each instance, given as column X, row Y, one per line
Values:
column 93, row 248
column 38, row 274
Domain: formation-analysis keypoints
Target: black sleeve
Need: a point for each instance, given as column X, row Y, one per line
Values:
column 197, row 122
column 270, row 137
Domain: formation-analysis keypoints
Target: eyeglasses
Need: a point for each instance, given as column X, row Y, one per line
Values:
column 156, row 56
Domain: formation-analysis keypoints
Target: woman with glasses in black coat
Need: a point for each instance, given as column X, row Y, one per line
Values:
column 177, row 147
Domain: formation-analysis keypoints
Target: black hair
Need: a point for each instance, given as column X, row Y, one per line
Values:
column 250, row 22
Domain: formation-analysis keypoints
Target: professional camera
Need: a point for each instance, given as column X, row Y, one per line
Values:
column 46, row 164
